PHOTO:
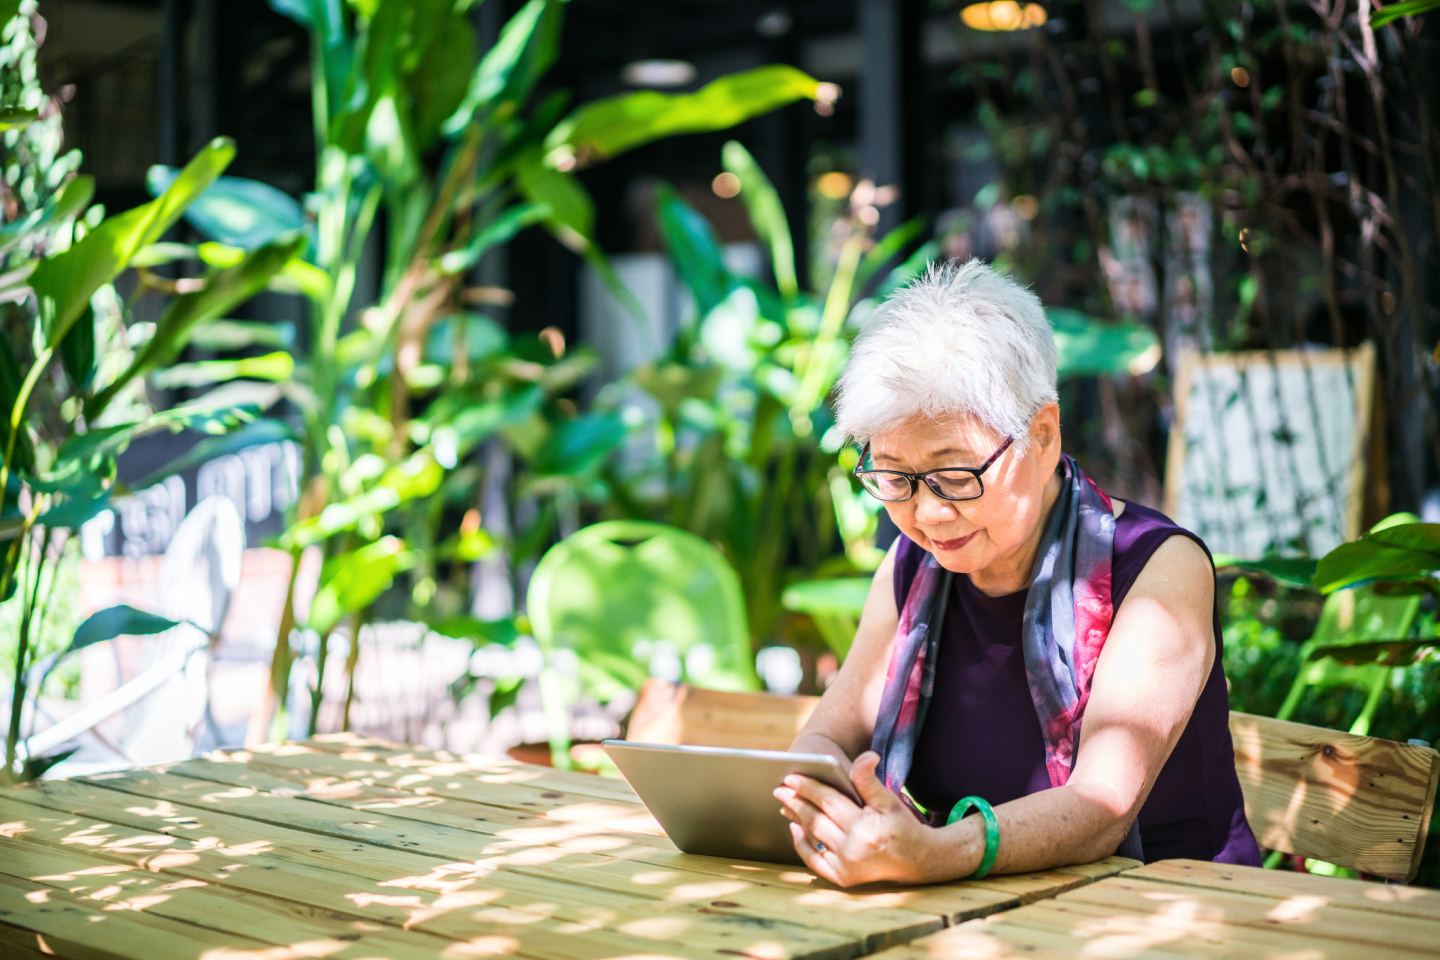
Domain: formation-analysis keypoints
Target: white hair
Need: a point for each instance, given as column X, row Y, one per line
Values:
column 960, row 341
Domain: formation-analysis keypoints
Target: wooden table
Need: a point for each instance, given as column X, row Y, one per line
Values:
column 1188, row 908
column 342, row 847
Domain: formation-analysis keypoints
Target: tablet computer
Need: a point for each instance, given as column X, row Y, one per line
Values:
column 717, row 801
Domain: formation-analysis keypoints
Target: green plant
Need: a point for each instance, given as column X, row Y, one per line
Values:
column 72, row 363
column 412, row 120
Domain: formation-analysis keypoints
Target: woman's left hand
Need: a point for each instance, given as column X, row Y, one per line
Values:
column 848, row 844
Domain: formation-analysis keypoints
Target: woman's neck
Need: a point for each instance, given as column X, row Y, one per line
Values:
column 1011, row 573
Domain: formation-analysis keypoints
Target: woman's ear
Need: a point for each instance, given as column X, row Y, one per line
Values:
column 1045, row 433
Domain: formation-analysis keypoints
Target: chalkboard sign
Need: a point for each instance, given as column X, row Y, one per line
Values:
column 1268, row 450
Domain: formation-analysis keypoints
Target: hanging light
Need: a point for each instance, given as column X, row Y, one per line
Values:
column 1003, row 15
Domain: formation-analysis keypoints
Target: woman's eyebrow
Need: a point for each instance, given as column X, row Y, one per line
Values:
column 933, row 455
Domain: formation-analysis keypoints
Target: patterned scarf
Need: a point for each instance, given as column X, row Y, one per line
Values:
column 1067, row 618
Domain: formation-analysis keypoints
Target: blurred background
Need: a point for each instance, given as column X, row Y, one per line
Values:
column 329, row 320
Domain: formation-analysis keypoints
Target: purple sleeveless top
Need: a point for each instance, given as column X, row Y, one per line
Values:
column 981, row 735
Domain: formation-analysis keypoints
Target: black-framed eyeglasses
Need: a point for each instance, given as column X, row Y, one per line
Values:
column 947, row 483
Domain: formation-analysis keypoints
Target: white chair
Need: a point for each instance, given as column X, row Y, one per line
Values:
column 157, row 712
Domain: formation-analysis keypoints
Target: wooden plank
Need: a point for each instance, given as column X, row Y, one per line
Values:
column 490, row 769
column 955, row 902
column 1180, row 929
column 994, row 939
column 432, row 893
column 105, row 886
column 79, row 931
column 867, row 922
column 1312, row 917
column 1380, row 898
column 1360, row 802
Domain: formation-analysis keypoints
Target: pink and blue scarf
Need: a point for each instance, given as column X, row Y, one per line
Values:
column 1067, row 618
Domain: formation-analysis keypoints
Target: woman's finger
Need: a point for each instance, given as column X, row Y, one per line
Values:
column 823, row 797
column 818, row 861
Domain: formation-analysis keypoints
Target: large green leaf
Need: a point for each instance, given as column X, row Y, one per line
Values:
column 10, row 381
column 886, row 249
column 417, row 476
column 13, row 118
column 767, row 214
column 235, row 211
column 111, row 441
column 570, row 211
column 64, row 281
column 1291, row 571
column 1405, row 551
column 495, row 233
column 694, row 251
column 1406, row 8
column 526, row 48
column 1393, row 653
column 77, row 352
column 276, row 367
column 609, row 127
column 250, row 435
column 222, row 291
column 1088, row 347
column 578, row 446
column 118, row 621
column 350, row 582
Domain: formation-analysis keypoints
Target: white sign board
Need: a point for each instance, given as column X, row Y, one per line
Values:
column 1268, row 450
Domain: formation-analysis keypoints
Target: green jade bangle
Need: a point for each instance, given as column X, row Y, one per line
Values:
column 992, row 831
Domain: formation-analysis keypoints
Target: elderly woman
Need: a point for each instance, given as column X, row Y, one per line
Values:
column 1032, row 650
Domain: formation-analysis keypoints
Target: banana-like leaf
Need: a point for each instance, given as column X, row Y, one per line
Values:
column 275, row 366
column 352, row 581
column 121, row 620
column 64, row 281
column 1088, row 347
column 223, row 291
column 578, row 446
column 13, row 118
column 297, row 276
column 77, row 352
column 694, row 251
column 767, row 215
column 10, row 381
column 240, row 334
column 1393, row 653
column 235, row 211
column 250, row 435
column 417, row 476
column 510, row 69
column 611, row 126
column 1405, row 551
column 504, row 631
column 497, row 232
column 74, row 512
column 1407, row 8
column 886, row 249
column 911, row 268
column 1291, row 571
column 570, row 212
column 111, row 441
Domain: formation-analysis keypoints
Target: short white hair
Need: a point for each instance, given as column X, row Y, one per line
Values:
column 960, row 341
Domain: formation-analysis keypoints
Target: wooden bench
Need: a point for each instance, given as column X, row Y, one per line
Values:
column 1358, row 802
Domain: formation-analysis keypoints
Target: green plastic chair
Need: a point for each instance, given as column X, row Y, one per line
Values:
column 835, row 606
column 1356, row 615
column 627, row 595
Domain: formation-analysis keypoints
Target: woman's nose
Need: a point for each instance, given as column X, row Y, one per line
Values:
column 932, row 508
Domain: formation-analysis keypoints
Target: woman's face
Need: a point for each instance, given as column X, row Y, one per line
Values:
column 996, row 534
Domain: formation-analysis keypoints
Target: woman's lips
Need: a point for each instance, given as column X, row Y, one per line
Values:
column 952, row 544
